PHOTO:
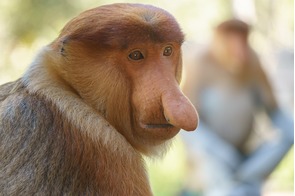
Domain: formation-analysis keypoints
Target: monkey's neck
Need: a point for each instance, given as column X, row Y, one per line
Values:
column 39, row 80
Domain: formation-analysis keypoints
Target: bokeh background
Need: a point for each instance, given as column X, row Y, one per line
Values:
column 27, row 25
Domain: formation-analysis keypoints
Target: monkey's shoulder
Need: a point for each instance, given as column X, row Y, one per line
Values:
column 32, row 147
column 21, row 110
column 10, row 88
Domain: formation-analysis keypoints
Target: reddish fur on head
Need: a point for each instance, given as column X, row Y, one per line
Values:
column 233, row 26
column 141, row 99
column 102, row 28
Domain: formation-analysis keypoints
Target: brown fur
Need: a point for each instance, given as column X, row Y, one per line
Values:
column 72, row 125
column 233, row 26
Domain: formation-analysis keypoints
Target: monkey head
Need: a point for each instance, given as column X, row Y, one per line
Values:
column 230, row 44
column 124, row 60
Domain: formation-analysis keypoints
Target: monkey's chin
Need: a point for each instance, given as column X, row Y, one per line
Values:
column 159, row 132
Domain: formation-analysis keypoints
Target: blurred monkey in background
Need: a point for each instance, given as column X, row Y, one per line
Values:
column 228, row 86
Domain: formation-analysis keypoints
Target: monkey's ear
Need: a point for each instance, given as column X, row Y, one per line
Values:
column 62, row 45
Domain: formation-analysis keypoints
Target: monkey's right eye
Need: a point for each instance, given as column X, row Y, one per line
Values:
column 136, row 55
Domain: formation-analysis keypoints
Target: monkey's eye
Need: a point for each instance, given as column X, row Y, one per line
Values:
column 167, row 51
column 136, row 55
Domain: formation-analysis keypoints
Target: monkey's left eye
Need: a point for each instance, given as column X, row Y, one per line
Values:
column 167, row 51
column 136, row 55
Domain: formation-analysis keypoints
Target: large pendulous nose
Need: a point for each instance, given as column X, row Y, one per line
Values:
column 178, row 110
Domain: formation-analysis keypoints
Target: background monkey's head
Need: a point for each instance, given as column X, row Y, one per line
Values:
column 230, row 45
column 124, row 60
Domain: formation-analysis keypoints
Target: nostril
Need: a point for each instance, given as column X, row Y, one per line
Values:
column 167, row 119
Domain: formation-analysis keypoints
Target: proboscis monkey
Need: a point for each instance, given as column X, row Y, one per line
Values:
column 228, row 86
column 104, row 93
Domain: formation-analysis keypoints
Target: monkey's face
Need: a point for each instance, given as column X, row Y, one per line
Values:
column 232, row 50
column 159, row 109
column 124, row 60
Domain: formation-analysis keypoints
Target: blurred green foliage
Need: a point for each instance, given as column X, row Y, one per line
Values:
column 29, row 19
column 168, row 175
column 283, row 177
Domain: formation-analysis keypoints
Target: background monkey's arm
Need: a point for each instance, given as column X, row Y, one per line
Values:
column 264, row 160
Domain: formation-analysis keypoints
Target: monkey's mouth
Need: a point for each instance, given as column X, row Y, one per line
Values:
column 159, row 131
column 157, row 126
